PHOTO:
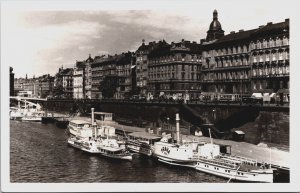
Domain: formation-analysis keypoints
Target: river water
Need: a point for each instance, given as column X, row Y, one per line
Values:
column 39, row 153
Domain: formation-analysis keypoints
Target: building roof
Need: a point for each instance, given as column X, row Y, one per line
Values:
column 272, row 29
column 164, row 49
column 145, row 135
column 263, row 31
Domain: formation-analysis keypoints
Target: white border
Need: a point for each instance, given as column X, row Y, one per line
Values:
column 134, row 187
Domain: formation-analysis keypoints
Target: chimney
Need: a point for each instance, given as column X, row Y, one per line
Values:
column 241, row 30
column 261, row 26
column 202, row 41
column 177, row 128
column 232, row 32
column 92, row 112
column 182, row 40
column 269, row 23
column 287, row 20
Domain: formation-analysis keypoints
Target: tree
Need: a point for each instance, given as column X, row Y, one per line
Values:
column 58, row 90
column 109, row 86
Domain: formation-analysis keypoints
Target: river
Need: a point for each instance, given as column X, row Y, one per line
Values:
column 39, row 153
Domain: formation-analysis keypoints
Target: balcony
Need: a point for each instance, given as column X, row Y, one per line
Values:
column 226, row 81
column 173, row 62
column 226, row 68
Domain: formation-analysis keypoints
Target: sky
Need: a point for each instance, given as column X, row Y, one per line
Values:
column 38, row 37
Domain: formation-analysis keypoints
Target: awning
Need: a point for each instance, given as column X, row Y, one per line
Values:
column 257, row 95
column 239, row 132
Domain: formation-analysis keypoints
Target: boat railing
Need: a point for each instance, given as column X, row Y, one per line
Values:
column 218, row 162
column 240, row 158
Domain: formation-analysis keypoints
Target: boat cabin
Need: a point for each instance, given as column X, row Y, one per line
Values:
column 80, row 123
column 103, row 116
column 144, row 137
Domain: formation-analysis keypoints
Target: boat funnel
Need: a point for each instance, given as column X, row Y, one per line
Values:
column 177, row 128
column 92, row 112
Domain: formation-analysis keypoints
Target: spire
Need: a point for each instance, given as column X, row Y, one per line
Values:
column 215, row 15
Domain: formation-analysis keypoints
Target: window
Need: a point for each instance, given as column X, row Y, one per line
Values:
column 267, row 57
column 182, row 75
column 280, row 56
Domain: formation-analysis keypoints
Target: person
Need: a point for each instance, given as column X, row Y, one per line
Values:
column 277, row 100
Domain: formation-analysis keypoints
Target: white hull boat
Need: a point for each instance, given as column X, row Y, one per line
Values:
column 98, row 147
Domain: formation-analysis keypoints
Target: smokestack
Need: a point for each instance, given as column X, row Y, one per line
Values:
column 93, row 123
column 92, row 115
column 177, row 128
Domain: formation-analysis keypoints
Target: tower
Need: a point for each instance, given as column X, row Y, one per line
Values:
column 215, row 29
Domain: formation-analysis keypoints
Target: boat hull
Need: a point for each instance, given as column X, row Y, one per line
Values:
column 100, row 151
column 235, row 174
column 35, row 119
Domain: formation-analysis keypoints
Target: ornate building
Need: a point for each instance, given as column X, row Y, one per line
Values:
column 246, row 62
column 226, row 66
column 115, row 67
column 174, row 70
column 270, row 63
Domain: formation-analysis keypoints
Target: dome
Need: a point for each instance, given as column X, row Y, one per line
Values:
column 215, row 29
column 215, row 25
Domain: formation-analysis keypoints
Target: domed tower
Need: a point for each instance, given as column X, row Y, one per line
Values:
column 215, row 29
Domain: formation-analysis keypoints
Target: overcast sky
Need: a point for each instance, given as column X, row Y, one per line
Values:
column 39, row 37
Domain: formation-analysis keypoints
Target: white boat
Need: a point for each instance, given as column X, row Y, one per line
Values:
column 175, row 154
column 142, row 142
column 207, row 157
column 210, row 160
column 105, row 147
column 87, row 137
column 29, row 112
column 15, row 113
column 33, row 116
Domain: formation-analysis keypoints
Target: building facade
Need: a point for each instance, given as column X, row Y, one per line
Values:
column 79, row 80
column 142, row 67
column 246, row 62
column 174, row 70
column 64, row 83
column 88, row 77
column 124, row 73
column 101, row 67
column 41, row 86
column 270, row 61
